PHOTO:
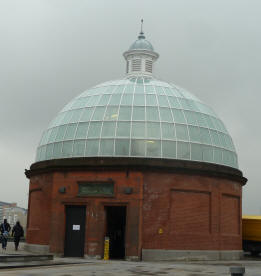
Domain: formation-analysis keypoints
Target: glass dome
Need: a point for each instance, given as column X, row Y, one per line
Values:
column 141, row 44
column 138, row 117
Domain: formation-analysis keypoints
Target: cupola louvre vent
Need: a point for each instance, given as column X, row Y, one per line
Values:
column 136, row 65
column 148, row 66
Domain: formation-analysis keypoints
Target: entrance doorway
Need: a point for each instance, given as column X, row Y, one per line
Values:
column 75, row 231
column 115, row 230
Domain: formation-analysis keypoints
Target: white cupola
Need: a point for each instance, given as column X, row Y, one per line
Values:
column 140, row 57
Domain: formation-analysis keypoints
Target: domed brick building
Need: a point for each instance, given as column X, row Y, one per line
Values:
column 141, row 161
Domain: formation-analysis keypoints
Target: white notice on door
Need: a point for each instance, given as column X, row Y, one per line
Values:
column 76, row 227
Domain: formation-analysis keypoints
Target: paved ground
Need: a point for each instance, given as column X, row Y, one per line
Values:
column 122, row 268
column 11, row 249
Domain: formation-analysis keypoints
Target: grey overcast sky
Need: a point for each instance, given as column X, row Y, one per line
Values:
column 52, row 50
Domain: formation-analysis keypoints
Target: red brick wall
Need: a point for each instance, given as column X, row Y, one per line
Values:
column 185, row 212
column 165, row 211
column 38, row 228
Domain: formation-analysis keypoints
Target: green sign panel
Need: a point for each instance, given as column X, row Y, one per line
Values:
column 96, row 188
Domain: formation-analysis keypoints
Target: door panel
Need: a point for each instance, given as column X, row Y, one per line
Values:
column 75, row 231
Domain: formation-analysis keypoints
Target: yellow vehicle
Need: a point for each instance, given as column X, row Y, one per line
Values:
column 251, row 234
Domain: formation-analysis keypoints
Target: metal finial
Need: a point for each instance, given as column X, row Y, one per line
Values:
column 141, row 36
column 141, row 31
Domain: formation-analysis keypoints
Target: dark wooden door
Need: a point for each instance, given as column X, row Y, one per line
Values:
column 75, row 231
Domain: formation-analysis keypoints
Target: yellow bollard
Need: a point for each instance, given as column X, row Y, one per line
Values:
column 106, row 248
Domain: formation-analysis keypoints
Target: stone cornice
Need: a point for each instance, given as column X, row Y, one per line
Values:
column 136, row 164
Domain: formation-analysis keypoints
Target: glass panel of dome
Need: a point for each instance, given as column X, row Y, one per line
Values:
column 149, row 89
column 67, row 148
column 67, row 107
column 165, row 114
column 168, row 91
column 93, row 100
column 123, row 129
column 82, row 130
column 92, row 148
column 174, row 102
column 217, row 155
column 152, row 114
column 183, row 150
column 127, row 99
column 191, row 117
column 222, row 139
column 129, row 88
column 209, row 121
column 163, row 101
column 53, row 134
column 125, row 113
column 111, row 113
column 42, row 154
column 176, row 92
column 49, row 151
column 94, row 130
column 108, row 129
column 138, row 113
column 168, row 131
column 207, row 153
column 122, row 147
column 178, row 116
column 109, row 89
column 214, row 137
column 201, row 120
column 70, row 131
column 153, row 148
column 182, row 132
column 87, row 114
column 205, row 136
column 221, row 126
column 137, row 147
column 79, row 103
column 104, row 100
column 139, row 100
column 193, row 106
column 67, row 117
column 194, row 133
column 78, row 148
column 98, row 113
column 139, row 89
column 119, row 89
column 151, row 100
column 46, row 136
column 55, row 120
column 227, row 157
column 168, row 149
column 184, row 103
column 61, row 133
column 115, row 99
column 57, row 150
column 153, row 130
column 76, row 115
column 196, row 152
column 38, row 152
column 159, row 90
column 106, row 147
column 138, row 129
column 234, row 160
